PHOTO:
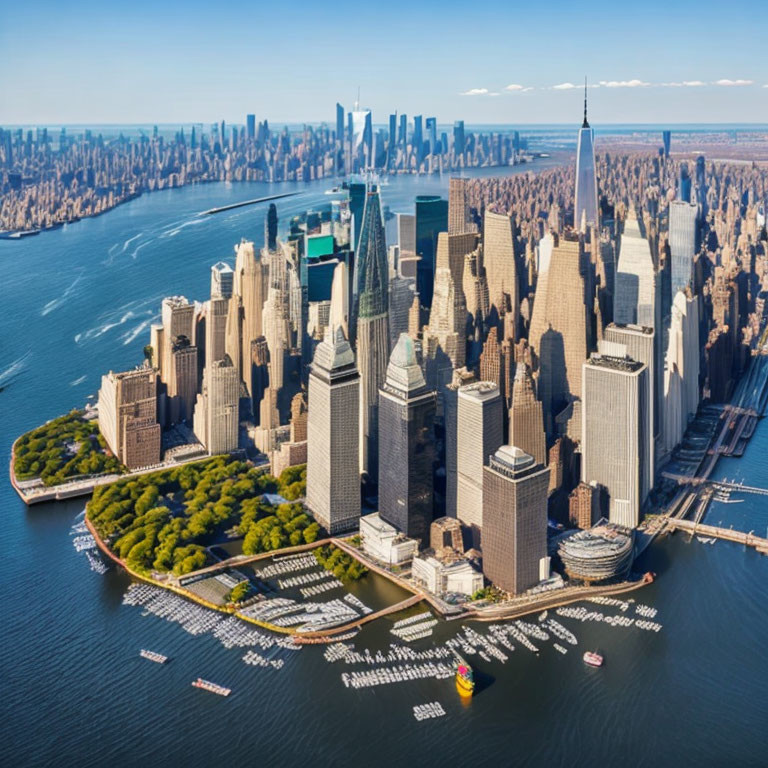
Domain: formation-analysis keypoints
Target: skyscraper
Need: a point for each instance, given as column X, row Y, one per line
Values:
column 681, row 374
column 514, row 519
column 635, row 301
column 559, row 330
column 585, row 211
column 250, row 124
column 616, row 433
column 500, row 266
column 371, row 327
column 250, row 290
column 445, row 341
column 478, row 436
column 222, row 280
column 526, row 420
column 216, row 422
column 458, row 207
column 406, row 419
column 431, row 219
column 682, row 242
column 271, row 228
column 339, row 124
column 333, row 475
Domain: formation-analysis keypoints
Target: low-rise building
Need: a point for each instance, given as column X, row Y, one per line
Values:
column 384, row 542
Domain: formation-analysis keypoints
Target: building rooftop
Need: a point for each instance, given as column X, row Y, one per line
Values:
column 404, row 374
column 621, row 364
column 480, row 390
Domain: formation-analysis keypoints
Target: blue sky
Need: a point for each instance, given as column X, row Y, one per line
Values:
column 94, row 62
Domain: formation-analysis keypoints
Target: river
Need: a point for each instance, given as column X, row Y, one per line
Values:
column 77, row 302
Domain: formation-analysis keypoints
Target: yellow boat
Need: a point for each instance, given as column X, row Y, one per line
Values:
column 465, row 682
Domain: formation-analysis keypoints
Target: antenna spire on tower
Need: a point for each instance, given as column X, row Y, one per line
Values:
column 585, row 124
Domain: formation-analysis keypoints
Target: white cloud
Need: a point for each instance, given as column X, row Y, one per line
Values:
column 475, row 92
column 685, row 84
column 515, row 87
column 624, row 84
column 730, row 83
column 571, row 86
column 529, row 88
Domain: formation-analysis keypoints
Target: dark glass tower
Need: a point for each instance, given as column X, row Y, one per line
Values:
column 431, row 219
column 407, row 452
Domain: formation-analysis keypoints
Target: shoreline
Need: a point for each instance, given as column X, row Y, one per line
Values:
column 12, row 235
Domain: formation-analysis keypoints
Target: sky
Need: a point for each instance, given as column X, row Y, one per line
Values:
column 678, row 61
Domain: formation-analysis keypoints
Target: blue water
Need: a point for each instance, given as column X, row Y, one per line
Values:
column 77, row 302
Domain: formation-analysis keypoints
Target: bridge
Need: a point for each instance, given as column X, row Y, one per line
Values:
column 728, row 534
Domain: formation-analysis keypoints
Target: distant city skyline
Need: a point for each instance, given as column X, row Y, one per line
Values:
column 183, row 64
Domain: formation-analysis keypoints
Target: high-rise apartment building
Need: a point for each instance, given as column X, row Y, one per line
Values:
column 431, row 219
column 222, row 280
column 333, row 474
column 458, row 206
column 616, row 441
column 128, row 416
column 478, row 435
column 407, row 452
column 635, row 301
column 514, row 519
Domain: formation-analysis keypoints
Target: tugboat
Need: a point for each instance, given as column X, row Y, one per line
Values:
column 465, row 682
column 593, row 659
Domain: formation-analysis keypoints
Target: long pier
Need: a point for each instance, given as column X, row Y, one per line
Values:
column 243, row 203
column 728, row 534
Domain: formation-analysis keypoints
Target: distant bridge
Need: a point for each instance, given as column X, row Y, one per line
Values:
column 728, row 534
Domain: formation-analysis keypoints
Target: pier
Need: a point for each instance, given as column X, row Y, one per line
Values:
column 243, row 203
column 727, row 534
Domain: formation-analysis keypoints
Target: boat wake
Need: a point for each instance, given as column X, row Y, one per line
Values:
column 77, row 381
column 133, row 333
column 56, row 303
column 13, row 370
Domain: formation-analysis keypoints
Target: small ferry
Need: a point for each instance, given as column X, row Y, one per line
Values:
column 593, row 659
column 206, row 685
column 465, row 682
column 152, row 656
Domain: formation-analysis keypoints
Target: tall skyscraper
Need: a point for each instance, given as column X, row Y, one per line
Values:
column 558, row 332
column 271, row 228
column 431, row 219
column 514, row 519
column 216, row 422
column 478, row 436
column 339, row 124
column 616, row 434
column 445, row 340
column 178, row 317
column 128, row 416
column 216, row 313
column 458, row 207
column 406, row 419
column 585, row 210
column 526, row 420
column 635, row 301
column 371, row 328
column 333, row 475
column 681, row 374
column 684, row 184
column 682, row 242
column 500, row 265
column 250, row 124
column 250, row 291
column 640, row 343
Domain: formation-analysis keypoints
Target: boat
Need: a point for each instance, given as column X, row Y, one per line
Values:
column 152, row 656
column 593, row 659
column 207, row 685
column 543, row 616
column 465, row 682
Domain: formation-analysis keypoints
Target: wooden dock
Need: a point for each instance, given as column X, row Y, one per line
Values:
column 727, row 534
